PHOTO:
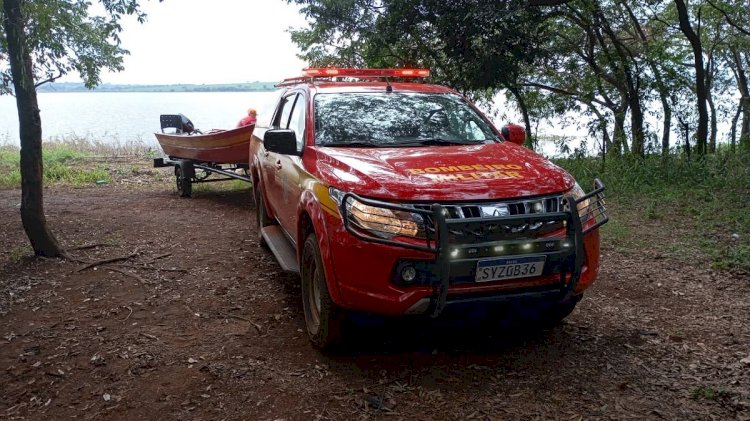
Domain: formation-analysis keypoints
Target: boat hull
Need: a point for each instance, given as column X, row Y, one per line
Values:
column 220, row 147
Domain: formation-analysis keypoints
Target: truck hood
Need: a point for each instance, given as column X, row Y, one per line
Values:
column 440, row 173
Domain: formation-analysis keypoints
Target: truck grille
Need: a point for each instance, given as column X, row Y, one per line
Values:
column 499, row 209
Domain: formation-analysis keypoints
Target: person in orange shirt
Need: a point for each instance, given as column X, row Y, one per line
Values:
column 251, row 118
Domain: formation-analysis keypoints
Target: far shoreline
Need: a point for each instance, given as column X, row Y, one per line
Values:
column 66, row 87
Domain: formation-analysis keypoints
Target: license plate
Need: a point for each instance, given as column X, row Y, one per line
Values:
column 509, row 268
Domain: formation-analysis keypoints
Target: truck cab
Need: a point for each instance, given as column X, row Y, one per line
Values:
column 388, row 195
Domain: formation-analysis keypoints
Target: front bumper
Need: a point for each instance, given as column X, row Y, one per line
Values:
column 367, row 267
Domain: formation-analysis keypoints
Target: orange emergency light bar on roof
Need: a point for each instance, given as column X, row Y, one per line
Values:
column 343, row 72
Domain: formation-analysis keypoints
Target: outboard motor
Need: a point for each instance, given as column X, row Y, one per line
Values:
column 178, row 122
column 186, row 126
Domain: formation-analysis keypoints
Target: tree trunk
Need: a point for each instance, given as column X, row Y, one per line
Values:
column 530, row 143
column 710, row 98
column 606, row 141
column 664, row 97
column 30, row 128
column 745, row 101
column 686, row 131
column 714, row 129
column 700, row 76
column 618, row 134
column 734, row 125
column 636, row 124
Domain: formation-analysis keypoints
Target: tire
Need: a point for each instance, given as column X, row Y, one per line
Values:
column 323, row 318
column 183, row 173
column 553, row 314
column 261, row 216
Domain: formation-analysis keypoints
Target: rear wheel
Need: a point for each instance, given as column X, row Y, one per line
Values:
column 261, row 216
column 323, row 317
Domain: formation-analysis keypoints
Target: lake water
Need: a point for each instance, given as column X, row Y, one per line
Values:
column 123, row 117
column 127, row 117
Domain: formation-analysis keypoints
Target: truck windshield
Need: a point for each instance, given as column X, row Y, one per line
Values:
column 397, row 119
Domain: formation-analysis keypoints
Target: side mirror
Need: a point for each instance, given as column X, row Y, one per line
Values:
column 514, row 133
column 283, row 141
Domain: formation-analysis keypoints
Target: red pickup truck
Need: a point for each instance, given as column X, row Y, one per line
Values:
column 391, row 196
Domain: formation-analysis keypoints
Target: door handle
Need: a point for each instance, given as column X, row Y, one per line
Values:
column 278, row 164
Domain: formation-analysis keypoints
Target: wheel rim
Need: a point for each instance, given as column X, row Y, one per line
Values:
column 313, row 296
column 202, row 174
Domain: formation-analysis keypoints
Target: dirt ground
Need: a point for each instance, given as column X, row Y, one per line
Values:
column 200, row 323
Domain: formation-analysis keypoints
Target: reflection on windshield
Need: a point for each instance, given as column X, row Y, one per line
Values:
column 397, row 119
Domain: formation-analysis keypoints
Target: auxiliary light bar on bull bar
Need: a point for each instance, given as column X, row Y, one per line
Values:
column 326, row 72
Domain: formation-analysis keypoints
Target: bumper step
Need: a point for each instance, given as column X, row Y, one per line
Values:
column 281, row 248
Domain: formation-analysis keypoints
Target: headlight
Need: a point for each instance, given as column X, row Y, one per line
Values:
column 381, row 222
column 584, row 211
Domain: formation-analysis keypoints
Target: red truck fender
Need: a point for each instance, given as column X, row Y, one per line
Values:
column 309, row 208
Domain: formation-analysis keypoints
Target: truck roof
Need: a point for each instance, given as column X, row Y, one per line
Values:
column 351, row 87
column 340, row 80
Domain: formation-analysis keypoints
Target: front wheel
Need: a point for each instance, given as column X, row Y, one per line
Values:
column 551, row 316
column 323, row 317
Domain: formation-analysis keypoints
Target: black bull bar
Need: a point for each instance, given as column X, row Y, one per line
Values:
column 443, row 234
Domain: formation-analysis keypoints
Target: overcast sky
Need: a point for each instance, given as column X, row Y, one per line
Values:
column 221, row 41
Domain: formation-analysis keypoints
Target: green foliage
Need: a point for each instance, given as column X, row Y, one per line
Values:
column 710, row 194
column 468, row 45
column 61, row 166
column 709, row 393
column 67, row 36
column 618, row 64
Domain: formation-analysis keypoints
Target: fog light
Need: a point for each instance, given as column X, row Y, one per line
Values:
column 526, row 246
column 408, row 273
column 566, row 244
column 454, row 253
column 499, row 249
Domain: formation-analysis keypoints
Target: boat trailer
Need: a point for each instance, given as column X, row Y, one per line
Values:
column 187, row 172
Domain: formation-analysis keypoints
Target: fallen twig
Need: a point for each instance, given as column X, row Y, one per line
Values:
column 129, row 314
column 258, row 327
column 146, row 335
column 145, row 266
column 105, row 261
column 161, row 256
column 132, row 275
column 92, row 246
column 52, row 326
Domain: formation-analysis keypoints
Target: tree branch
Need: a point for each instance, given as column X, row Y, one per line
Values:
column 734, row 24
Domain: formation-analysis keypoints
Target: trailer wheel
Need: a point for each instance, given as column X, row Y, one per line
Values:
column 183, row 174
column 323, row 317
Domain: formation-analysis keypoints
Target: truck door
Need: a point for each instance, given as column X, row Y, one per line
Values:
column 272, row 161
column 291, row 172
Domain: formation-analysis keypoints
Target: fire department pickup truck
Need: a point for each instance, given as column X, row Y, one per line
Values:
column 391, row 196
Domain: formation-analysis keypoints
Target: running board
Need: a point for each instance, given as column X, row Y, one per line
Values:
column 281, row 248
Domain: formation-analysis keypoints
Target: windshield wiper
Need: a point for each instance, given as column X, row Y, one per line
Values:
column 440, row 141
column 355, row 144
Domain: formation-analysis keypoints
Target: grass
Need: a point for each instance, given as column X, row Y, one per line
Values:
column 710, row 197
column 709, row 393
column 71, row 161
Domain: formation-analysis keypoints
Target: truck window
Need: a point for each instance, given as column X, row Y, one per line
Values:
column 297, row 121
column 267, row 107
column 393, row 119
column 285, row 109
